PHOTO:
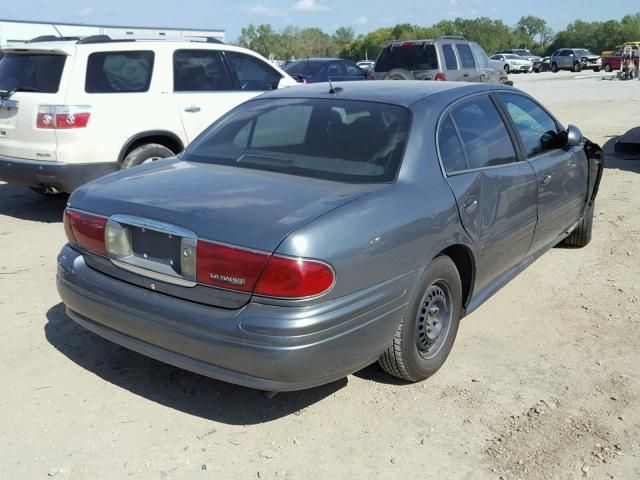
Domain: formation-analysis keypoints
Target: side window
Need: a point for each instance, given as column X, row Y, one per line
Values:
column 564, row 53
column 199, row 71
column 119, row 72
column 451, row 152
column 466, row 57
column 352, row 70
column 252, row 73
column 484, row 136
column 335, row 70
column 537, row 130
column 450, row 59
column 480, row 56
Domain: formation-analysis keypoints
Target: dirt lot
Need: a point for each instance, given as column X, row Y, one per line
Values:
column 542, row 382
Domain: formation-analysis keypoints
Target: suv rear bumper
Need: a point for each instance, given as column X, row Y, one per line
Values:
column 61, row 176
column 261, row 346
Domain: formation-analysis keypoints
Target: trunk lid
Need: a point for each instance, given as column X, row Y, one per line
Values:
column 30, row 78
column 228, row 205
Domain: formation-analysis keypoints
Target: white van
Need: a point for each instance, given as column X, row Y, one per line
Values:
column 74, row 110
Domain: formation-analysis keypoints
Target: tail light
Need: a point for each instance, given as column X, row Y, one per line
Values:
column 85, row 230
column 228, row 267
column 441, row 76
column 63, row 116
column 271, row 276
column 294, row 278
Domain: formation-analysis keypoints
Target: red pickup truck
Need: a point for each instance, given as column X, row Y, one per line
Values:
column 614, row 61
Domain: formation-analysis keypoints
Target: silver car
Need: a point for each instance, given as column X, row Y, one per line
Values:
column 575, row 59
column 281, row 251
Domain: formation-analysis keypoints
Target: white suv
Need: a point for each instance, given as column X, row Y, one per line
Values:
column 74, row 110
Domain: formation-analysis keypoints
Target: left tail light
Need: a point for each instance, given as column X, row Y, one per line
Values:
column 63, row 116
column 85, row 230
column 440, row 77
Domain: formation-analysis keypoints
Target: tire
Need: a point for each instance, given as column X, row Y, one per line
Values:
column 413, row 355
column 146, row 153
column 581, row 235
column 507, row 69
column 554, row 67
column 607, row 68
column 46, row 192
column 399, row 74
column 577, row 67
column 536, row 70
column 596, row 69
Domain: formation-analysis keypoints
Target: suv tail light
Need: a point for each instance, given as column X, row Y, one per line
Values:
column 85, row 230
column 63, row 116
column 271, row 276
column 441, row 76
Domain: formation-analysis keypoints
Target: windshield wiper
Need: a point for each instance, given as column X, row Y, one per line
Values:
column 8, row 93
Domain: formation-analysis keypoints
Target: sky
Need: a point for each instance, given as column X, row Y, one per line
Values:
column 362, row 15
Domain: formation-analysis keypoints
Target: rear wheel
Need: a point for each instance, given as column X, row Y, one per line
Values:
column 554, row 67
column 428, row 329
column 146, row 153
column 581, row 235
column 577, row 67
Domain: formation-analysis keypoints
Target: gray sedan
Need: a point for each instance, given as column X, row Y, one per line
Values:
column 314, row 230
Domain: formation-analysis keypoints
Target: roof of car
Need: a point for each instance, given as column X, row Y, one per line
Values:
column 404, row 93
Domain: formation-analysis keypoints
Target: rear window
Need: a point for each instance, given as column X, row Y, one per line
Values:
column 466, row 57
column 309, row 137
column 119, row 72
column 31, row 72
column 409, row 57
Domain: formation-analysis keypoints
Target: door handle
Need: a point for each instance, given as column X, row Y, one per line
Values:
column 470, row 206
column 192, row 109
column 546, row 180
column 465, row 74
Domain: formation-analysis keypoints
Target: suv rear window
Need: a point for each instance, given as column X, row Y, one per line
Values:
column 310, row 138
column 119, row 72
column 410, row 57
column 31, row 72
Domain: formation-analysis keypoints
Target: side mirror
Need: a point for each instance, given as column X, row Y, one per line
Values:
column 574, row 136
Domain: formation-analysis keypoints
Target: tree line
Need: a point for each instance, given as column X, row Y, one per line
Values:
column 530, row 32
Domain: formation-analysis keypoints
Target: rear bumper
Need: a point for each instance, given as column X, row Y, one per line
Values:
column 61, row 176
column 260, row 346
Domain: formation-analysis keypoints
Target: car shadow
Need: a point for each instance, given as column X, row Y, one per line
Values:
column 23, row 204
column 622, row 152
column 171, row 386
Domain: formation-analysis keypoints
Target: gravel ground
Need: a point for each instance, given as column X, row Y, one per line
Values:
column 541, row 384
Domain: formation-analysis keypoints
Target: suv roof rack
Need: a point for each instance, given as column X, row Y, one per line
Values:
column 451, row 37
column 51, row 38
column 189, row 38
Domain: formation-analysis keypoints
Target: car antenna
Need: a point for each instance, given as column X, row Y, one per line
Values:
column 332, row 90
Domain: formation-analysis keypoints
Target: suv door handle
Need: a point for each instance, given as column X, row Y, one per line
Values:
column 465, row 74
column 470, row 205
column 192, row 109
column 546, row 180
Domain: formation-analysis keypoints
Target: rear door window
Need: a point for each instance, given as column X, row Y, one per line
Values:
column 199, row 71
column 538, row 131
column 252, row 74
column 408, row 56
column 480, row 56
column 484, row 136
column 450, row 147
column 450, row 59
column 466, row 57
column 31, row 72
column 119, row 72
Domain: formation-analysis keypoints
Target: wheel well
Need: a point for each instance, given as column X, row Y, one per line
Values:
column 170, row 141
column 463, row 260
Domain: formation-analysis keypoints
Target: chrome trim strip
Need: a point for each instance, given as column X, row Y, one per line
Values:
column 153, row 275
column 153, row 225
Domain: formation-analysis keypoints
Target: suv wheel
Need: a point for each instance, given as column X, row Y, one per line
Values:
column 399, row 74
column 428, row 329
column 554, row 67
column 577, row 67
column 146, row 153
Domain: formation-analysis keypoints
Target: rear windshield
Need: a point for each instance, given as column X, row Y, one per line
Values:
column 409, row 57
column 306, row 68
column 31, row 72
column 340, row 140
column 119, row 72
